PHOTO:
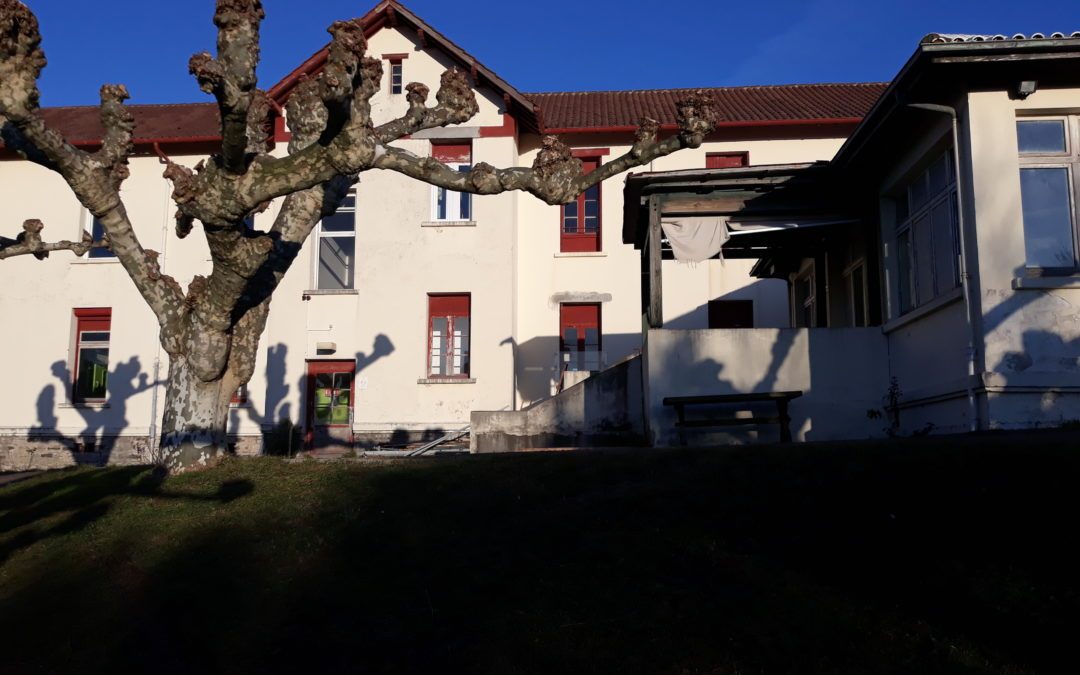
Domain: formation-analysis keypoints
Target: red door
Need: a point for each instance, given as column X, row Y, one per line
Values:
column 330, row 392
column 579, row 336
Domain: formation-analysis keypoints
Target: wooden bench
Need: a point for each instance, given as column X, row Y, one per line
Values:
column 781, row 398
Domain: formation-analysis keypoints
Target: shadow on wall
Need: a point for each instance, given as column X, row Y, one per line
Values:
column 102, row 423
column 538, row 363
column 283, row 429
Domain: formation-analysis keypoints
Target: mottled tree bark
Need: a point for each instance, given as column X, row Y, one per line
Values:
column 211, row 331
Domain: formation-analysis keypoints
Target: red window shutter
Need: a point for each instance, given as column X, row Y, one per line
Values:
column 94, row 318
column 448, row 305
column 726, row 160
column 452, row 153
column 579, row 318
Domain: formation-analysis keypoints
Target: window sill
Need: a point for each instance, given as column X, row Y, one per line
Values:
column 327, row 291
column 86, row 405
column 446, row 380
column 927, row 309
column 96, row 261
column 1046, row 282
column 448, row 223
column 581, row 254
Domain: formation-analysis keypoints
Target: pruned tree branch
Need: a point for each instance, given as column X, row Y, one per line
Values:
column 231, row 76
column 29, row 243
column 94, row 178
column 556, row 176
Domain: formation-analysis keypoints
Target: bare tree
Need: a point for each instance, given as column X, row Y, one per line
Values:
column 211, row 330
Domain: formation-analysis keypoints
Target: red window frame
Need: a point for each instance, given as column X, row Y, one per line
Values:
column 731, row 314
column 578, row 240
column 452, row 307
column 88, row 319
column 726, row 160
column 580, row 317
column 315, row 368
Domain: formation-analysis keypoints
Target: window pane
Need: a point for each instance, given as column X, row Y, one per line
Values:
column 939, row 175
column 1048, row 237
column 438, row 345
column 924, row 261
column 905, row 277
column 901, row 209
column 464, row 197
column 1041, row 136
column 342, row 380
column 324, row 380
column 322, row 414
column 945, row 251
column 324, row 396
column 335, row 262
column 339, row 414
column 917, row 192
column 94, row 336
column 342, row 221
column 440, row 204
column 97, row 231
column 93, row 373
column 858, row 297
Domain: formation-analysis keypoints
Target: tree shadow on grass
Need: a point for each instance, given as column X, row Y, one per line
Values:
column 84, row 497
column 936, row 555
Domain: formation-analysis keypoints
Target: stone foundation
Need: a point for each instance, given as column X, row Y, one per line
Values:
column 22, row 453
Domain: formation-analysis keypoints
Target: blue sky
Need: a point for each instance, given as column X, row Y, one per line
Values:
column 542, row 45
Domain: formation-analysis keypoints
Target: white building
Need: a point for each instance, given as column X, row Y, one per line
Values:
column 933, row 269
column 527, row 291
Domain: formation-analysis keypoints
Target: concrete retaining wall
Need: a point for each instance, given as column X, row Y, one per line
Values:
column 604, row 410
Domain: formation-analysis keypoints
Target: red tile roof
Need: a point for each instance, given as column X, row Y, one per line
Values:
column 776, row 104
column 178, row 123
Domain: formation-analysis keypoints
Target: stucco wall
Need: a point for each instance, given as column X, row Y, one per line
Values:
column 842, row 373
column 1031, row 337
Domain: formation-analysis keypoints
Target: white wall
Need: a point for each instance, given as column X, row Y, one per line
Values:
column 842, row 373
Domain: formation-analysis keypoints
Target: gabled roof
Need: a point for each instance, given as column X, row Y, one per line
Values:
column 392, row 13
column 567, row 112
column 175, row 123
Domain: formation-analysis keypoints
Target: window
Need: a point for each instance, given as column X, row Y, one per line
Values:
column 731, row 314
column 1048, row 171
column 804, row 301
column 397, row 77
column 449, row 326
column 449, row 205
column 581, row 218
column 97, row 231
column 726, row 160
column 240, row 396
column 579, row 336
column 92, row 328
column 926, row 235
column 337, row 247
column 857, row 296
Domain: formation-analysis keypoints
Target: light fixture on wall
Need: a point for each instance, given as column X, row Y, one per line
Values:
column 324, row 348
column 1026, row 88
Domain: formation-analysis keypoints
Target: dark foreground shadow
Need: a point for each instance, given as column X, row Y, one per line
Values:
column 937, row 555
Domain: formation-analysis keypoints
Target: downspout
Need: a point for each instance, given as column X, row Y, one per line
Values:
column 155, row 436
column 965, row 275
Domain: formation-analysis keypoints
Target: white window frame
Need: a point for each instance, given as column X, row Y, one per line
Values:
column 86, row 224
column 1068, row 160
column 400, row 63
column 807, row 273
column 320, row 234
column 906, row 227
column 453, row 200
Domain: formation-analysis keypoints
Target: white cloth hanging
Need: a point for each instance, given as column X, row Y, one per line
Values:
column 696, row 239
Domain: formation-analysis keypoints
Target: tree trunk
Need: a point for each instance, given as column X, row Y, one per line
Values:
column 195, row 418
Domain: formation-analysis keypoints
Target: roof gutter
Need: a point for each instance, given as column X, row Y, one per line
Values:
column 734, row 124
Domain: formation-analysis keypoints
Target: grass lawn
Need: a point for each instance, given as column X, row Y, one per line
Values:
column 938, row 555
